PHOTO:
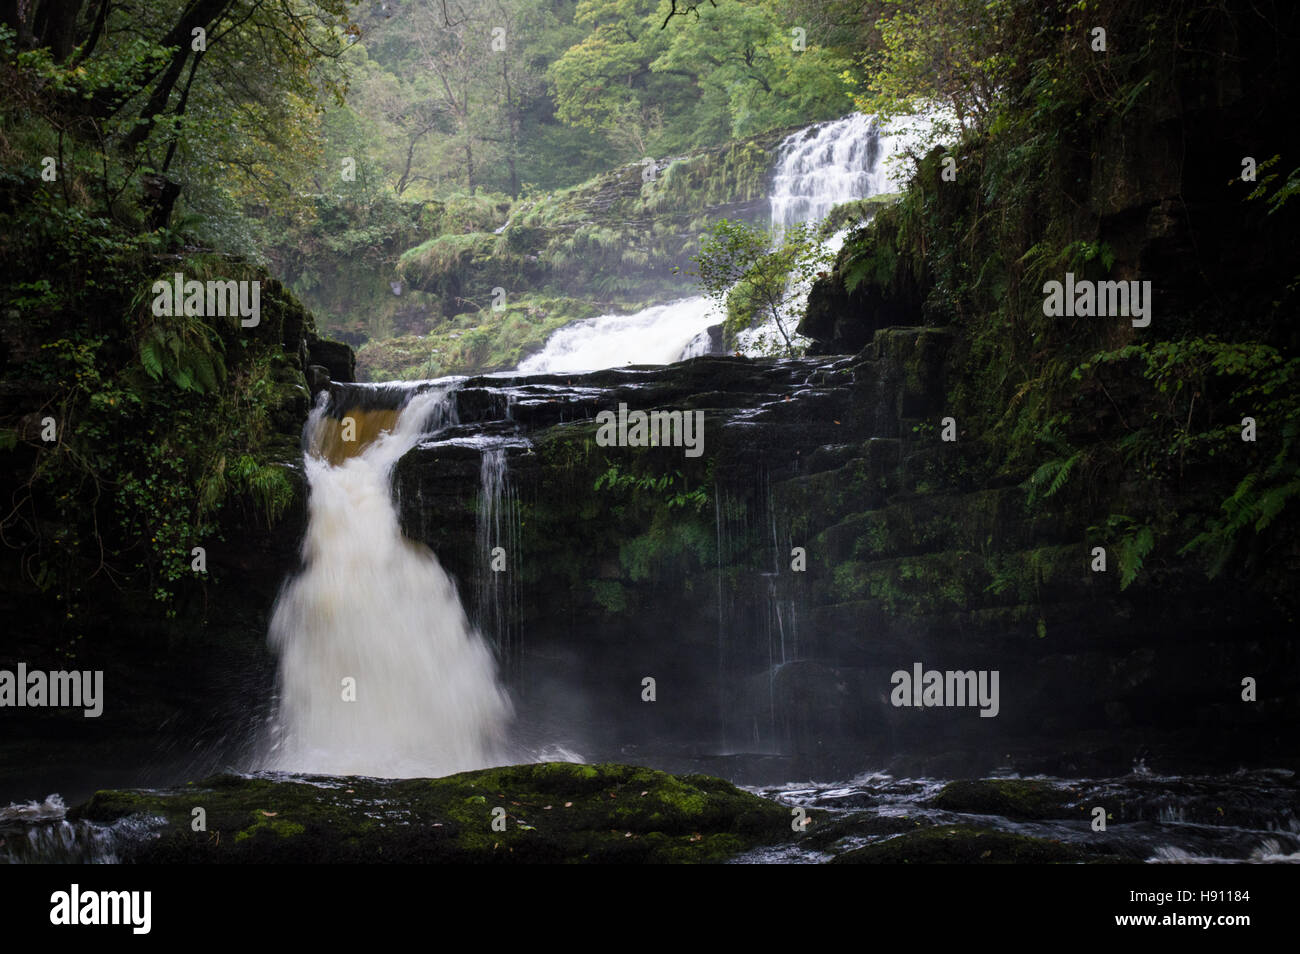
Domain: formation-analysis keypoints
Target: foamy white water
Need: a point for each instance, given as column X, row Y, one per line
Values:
column 657, row 335
column 822, row 166
column 816, row 169
column 376, row 608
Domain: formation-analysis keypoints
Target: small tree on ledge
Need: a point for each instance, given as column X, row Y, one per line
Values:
column 755, row 280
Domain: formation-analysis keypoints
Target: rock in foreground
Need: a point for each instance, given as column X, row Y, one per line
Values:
column 553, row 812
column 964, row 844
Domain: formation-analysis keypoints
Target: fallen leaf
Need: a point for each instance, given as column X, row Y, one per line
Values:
column 644, row 794
column 568, row 804
column 270, row 814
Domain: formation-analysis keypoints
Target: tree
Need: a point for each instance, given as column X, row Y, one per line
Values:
column 728, row 70
column 958, row 53
column 757, row 281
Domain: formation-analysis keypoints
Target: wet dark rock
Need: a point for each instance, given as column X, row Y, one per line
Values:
column 1011, row 798
column 336, row 357
column 911, row 553
column 552, row 812
column 963, row 844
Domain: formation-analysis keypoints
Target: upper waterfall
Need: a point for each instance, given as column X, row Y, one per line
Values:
column 822, row 166
column 816, row 169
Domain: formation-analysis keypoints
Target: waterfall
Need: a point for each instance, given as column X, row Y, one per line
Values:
column 816, row 169
column 656, row 335
column 499, row 594
column 820, row 167
column 380, row 671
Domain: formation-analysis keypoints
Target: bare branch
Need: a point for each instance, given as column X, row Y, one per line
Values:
column 686, row 8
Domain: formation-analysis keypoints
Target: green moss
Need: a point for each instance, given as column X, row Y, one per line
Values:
column 857, row 212
column 609, row 596
column 1011, row 798
column 919, row 585
column 554, row 812
column 613, row 241
column 486, row 339
column 433, row 259
column 267, row 823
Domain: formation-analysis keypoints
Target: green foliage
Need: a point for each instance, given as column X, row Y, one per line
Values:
column 148, row 408
column 1137, row 433
column 1049, row 478
column 672, row 488
column 1205, row 387
column 610, row 241
column 673, row 535
column 739, row 268
column 732, row 71
column 185, row 350
column 958, row 53
column 481, row 340
column 1130, row 541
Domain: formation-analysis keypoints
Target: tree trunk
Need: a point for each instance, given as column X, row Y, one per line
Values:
column 56, row 27
column 201, row 13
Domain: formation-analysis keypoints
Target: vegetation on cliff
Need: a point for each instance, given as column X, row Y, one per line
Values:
column 128, row 430
column 1102, row 156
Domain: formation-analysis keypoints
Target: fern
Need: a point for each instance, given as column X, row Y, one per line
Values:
column 151, row 359
column 1131, row 553
column 1054, row 474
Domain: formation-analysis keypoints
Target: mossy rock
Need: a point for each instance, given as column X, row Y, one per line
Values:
column 1010, row 798
column 552, row 812
column 961, row 844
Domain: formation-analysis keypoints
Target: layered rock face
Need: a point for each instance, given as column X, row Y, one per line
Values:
column 826, row 540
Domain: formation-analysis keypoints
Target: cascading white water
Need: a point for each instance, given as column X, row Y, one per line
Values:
column 816, row 169
column 656, row 335
column 380, row 671
column 821, row 167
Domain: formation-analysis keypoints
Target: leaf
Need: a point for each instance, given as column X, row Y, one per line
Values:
column 151, row 359
column 205, row 377
column 1132, row 552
